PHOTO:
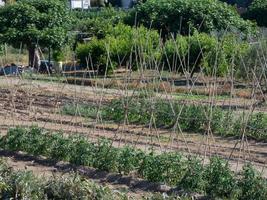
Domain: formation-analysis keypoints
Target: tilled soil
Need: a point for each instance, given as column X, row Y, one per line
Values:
column 25, row 103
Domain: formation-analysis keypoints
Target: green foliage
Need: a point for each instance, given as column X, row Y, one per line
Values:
column 24, row 185
column 193, row 180
column 239, row 3
column 252, row 184
column 253, row 61
column 191, row 118
column 179, row 16
column 106, row 156
column 256, row 127
column 31, row 22
column 95, row 52
column 97, row 23
column 129, row 160
column 214, row 179
column 79, row 110
column 166, row 167
column 257, row 11
column 200, row 51
column 220, row 179
column 121, row 45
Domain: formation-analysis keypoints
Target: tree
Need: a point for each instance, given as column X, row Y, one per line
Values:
column 239, row 3
column 34, row 23
column 258, row 11
column 173, row 16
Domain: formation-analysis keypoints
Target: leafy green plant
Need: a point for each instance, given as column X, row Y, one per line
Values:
column 35, row 22
column 252, row 185
column 121, row 45
column 214, row 55
column 215, row 179
column 105, row 156
column 129, row 160
column 193, row 180
column 220, row 181
column 179, row 16
column 24, row 185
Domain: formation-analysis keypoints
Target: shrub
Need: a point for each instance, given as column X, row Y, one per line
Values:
column 252, row 185
column 219, row 178
column 121, row 45
column 200, row 51
column 129, row 160
column 179, row 16
column 252, row 64
column 92, row 54
column 175, row 51
column 257, row 126
column 105, row 156
column 225, row 56
column 193, row 180
column 97, row 23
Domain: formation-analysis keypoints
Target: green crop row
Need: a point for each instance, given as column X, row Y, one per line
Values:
column 187, row 173
column 24, row 185
column 189, row 118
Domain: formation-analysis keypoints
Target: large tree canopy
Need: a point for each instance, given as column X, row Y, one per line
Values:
column 178, row 15
column 34, row 22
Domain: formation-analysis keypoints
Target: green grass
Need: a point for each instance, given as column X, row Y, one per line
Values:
column 44, row 77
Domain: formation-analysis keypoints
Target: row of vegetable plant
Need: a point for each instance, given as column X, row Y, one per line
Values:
column 25, row 185
column 197, row 118
column 215, row 179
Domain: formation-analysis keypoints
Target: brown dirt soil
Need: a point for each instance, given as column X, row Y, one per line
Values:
column 27, row 103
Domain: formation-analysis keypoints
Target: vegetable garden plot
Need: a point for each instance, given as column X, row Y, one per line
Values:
column 197, row 137
column 215, row 179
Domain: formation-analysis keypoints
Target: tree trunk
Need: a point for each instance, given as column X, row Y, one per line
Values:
column 34, row 57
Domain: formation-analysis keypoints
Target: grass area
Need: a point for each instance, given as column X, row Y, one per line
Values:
column 215, row 180
column 44, row 77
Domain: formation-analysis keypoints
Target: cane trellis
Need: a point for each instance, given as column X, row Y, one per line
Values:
column 26, row 101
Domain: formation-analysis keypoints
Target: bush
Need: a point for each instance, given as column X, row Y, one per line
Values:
column 220, row 179
column 257, row 11
column 193, row 180
column 122, row 45
column 179, row 16
column 93, row 54
column 214, row 56
column 175, row 52
column 97, row 23
column 252, row 64
column 252, row 185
